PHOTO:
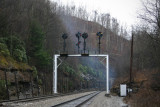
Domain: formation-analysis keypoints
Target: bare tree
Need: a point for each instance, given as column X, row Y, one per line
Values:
column 103, row 21
column 151, row 15
column 95, row 16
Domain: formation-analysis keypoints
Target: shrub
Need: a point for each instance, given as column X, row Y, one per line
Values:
column 16, row 47
column 18, row 55
column 4, row 50
column 68, row 69
column 82, row 68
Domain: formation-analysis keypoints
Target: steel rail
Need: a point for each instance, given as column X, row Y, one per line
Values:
column 81, row 103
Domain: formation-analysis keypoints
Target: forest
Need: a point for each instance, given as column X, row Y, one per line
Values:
column 31, row 33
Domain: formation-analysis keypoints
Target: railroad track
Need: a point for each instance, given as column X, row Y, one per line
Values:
column 38, row 98
column 33, row 99
column 42, row 97
column 77, row 102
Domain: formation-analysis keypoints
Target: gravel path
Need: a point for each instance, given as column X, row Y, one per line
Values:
column 102, row 101
column 48, row 102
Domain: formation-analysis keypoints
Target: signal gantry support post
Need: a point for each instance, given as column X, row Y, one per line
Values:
column 56, row 56
column 107, row 74
column 99, row 45
column 55, row 74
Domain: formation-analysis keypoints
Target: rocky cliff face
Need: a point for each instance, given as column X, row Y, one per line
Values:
column 14, row 76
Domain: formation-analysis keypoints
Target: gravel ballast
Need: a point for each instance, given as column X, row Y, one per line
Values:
column 47, row 102
column 102, row 101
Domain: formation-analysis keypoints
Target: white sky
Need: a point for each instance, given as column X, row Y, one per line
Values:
column 124, row 10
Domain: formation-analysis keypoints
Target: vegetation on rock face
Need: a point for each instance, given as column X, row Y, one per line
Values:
column 68, row 70
column 35, row 72
column 93, row 72
column 26, row 35
column 13, row 53
column 35, row 76
column 85, row 70
column 12, row 46
column 4, row 50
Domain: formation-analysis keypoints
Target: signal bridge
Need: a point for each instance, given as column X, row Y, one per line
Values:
column 57, row 56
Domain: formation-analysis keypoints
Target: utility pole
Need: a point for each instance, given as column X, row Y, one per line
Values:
column 131, row 62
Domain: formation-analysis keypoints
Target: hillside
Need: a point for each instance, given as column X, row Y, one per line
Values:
column 31, row 35
column 111, row 43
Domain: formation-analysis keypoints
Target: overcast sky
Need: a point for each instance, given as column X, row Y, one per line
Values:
column 124, row 10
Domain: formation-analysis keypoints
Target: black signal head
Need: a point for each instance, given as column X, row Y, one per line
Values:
column 100, row 34
column 78, row 35
column 85, row 35
column 64, row 36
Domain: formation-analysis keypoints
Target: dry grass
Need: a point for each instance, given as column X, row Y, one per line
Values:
column 7, row 62
column 147, row 96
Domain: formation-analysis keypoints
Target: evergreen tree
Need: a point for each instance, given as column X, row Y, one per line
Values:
column 37, row 49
